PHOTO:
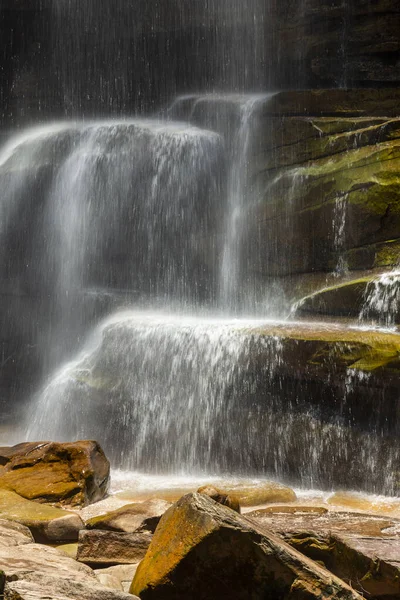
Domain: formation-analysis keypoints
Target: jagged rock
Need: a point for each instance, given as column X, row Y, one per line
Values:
column 69, row 474
column 202, row 549
column 220, row 497
column 47, row 524
column 141, row 516
column 362, row 549
column 112, row 548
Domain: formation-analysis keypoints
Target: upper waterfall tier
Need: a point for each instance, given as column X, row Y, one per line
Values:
column 120, row 204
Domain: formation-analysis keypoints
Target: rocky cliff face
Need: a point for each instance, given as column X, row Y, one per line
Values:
column 339, row 43
column 97, row 57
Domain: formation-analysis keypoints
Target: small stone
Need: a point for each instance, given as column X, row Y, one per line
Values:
column 229, row 501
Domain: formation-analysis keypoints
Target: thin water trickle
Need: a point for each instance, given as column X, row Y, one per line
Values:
column 339, row 234
column 240, row 199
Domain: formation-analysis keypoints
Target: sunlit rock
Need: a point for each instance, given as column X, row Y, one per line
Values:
column 260, row 493
column 221, row 497
column 202, row 549
column 141, row 516
column 106, row 548
column 34, row 572
column 297, row 523
column 360, row 501
column 123, row 574
column 46, row 523
column 70, row 474
column 14, row 534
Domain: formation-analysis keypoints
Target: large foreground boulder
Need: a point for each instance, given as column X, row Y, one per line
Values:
column 203, row 550
column 69, row 474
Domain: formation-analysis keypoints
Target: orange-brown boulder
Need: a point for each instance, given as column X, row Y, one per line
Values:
column 203, row 550
column 66, row 474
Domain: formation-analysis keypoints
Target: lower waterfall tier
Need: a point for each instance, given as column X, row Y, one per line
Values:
column 313, row 404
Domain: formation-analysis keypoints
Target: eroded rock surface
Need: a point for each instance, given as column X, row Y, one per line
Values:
column 292, row 520
column 372, row 564
column 362, row 549
column 69, row 474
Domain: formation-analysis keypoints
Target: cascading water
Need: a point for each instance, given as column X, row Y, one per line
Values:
column 235, row 117
column 381, row 302
column 199, row 395
column 156, row 215
column 123, row 205
column 187, row 394
column 169, row 383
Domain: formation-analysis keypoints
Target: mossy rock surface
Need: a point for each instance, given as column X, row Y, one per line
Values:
column 203, row 546
column 335, row 346
column 47, row 523
column 344, row 299
column 373, row 300
column 329, row 194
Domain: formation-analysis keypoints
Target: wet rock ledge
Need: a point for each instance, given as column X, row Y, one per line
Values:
column 200, row 547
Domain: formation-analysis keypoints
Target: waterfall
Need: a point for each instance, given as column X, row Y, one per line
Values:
column 239, row 201
column 236, row 118
column 381, row 302
column 194, row 394
column 108, row 205
column 163, row 381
